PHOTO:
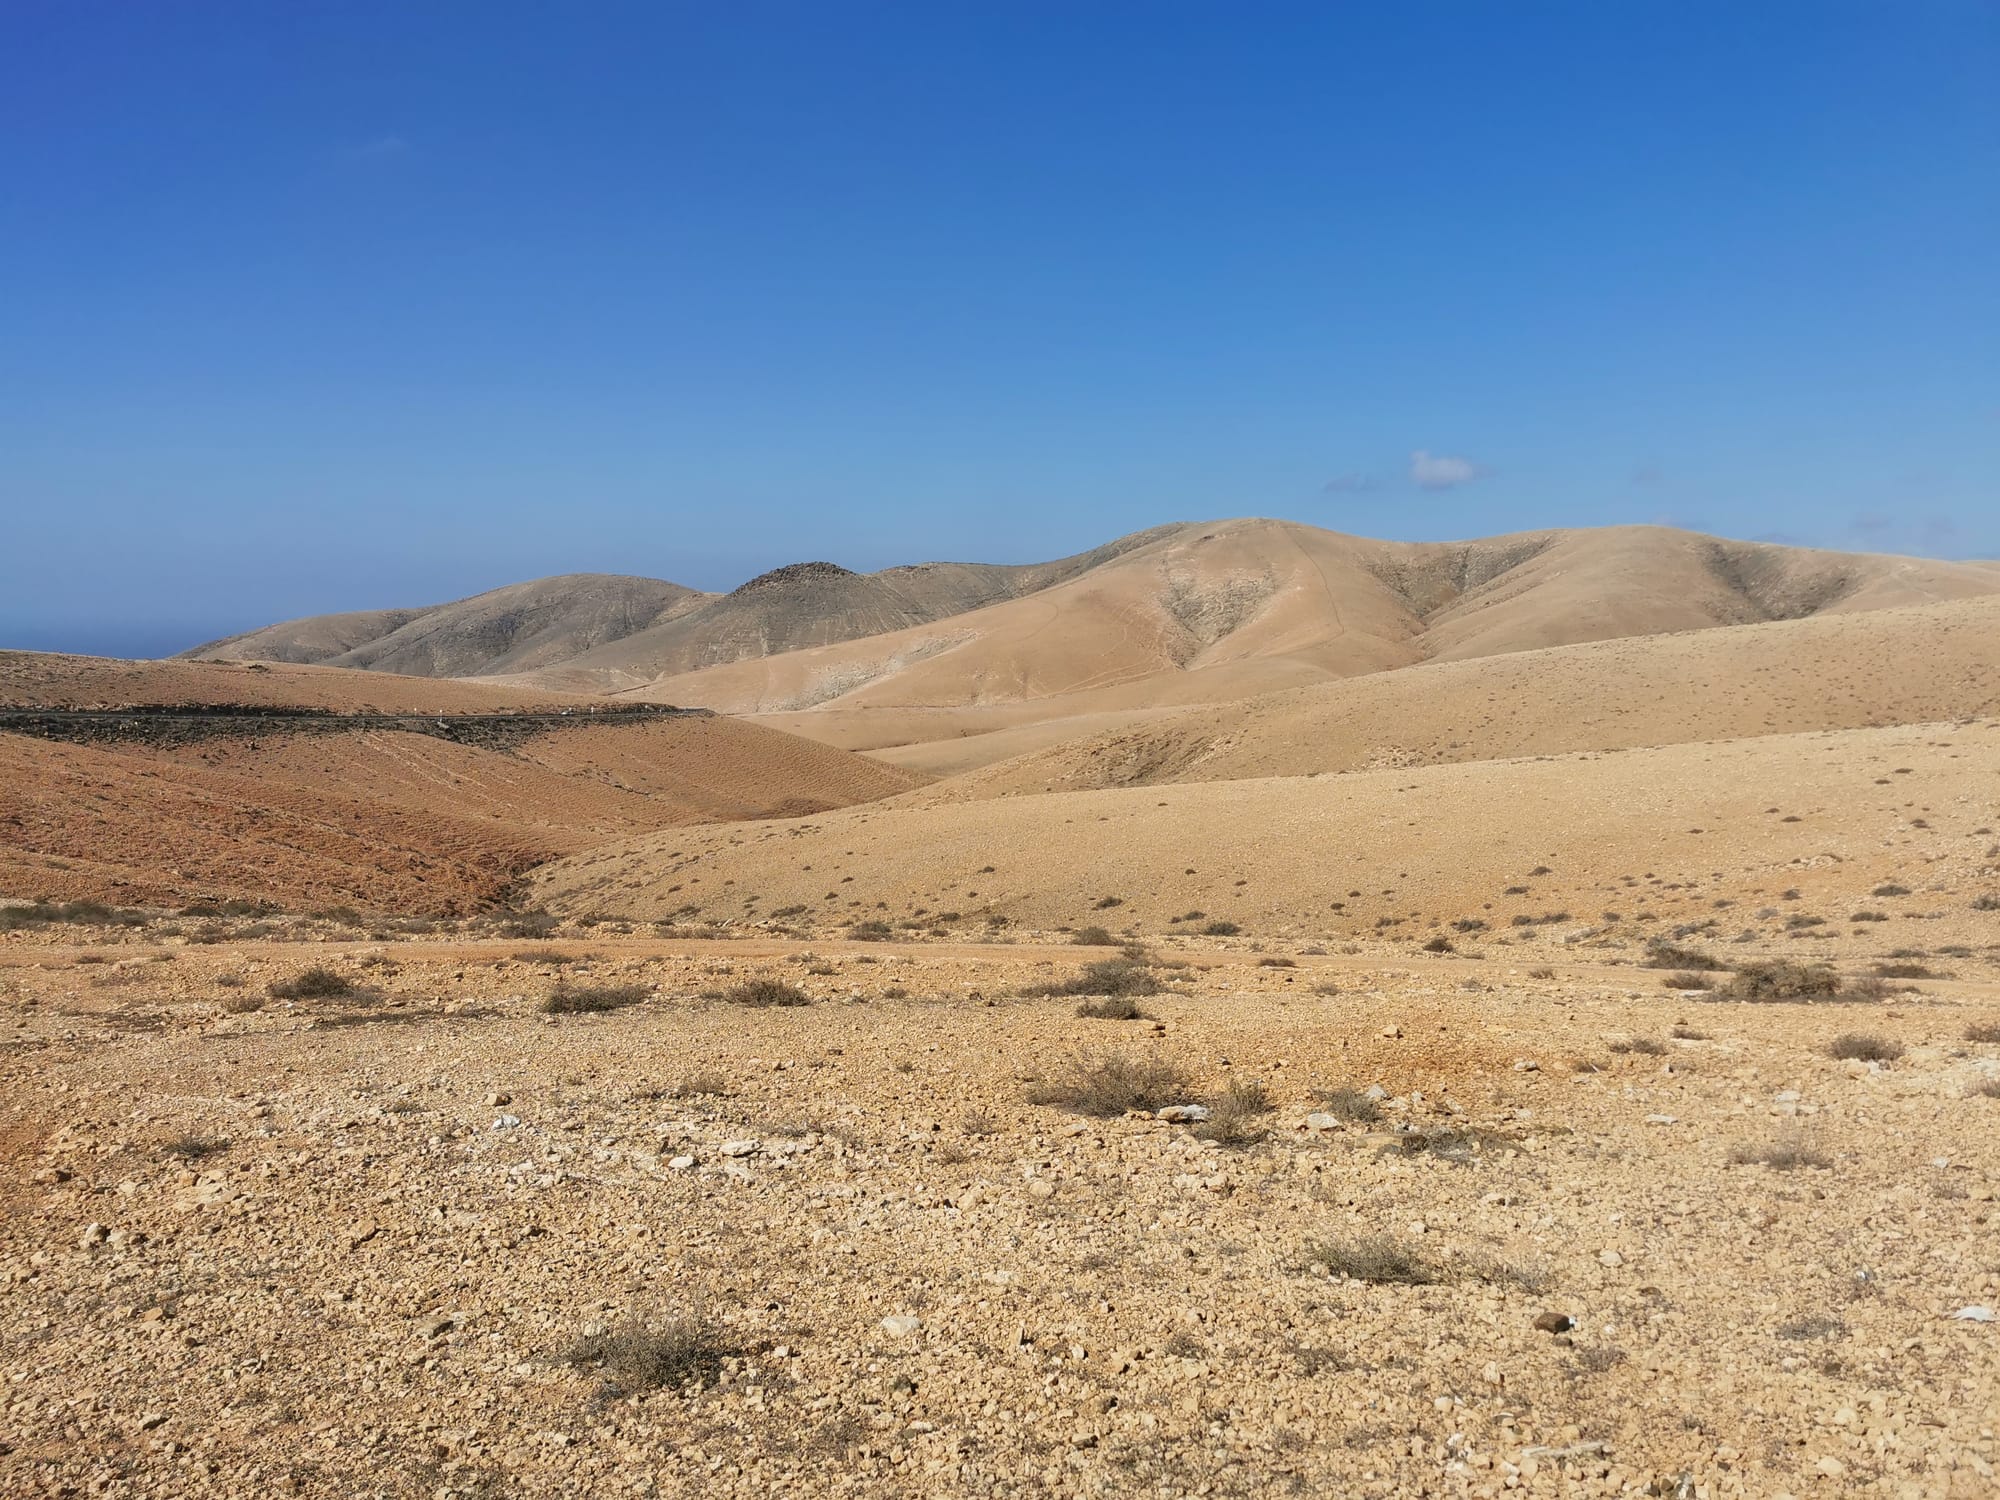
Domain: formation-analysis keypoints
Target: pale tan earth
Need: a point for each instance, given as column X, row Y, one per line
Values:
column 1671, row 834
column 348, row 1245
column 1850, row 671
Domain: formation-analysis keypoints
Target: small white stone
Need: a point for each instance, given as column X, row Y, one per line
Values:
column 738, row 1148
column 681, row 1163
column 901, row 1325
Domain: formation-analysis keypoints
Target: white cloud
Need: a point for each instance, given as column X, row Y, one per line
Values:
column 1440, row 471
column 1347, row 484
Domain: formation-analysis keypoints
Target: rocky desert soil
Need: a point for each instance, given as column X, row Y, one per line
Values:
column 1518, row 1219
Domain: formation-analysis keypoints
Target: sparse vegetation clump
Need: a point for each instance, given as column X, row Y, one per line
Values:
column 1644, row 1045
column 702, row 1085
column 528, row 924
column 638, row 1356
column 1346, row 1102
column 765, row 990
column 1221, row 929
column 1783, row 1153
column 1112, row 1083
column 1236, row 1115
column 1780, row 979
column 192, row 1147
column 871, row 932
column 1857, row 1046
column 1985, row 1032
column 1661, row 954
column 1093, row 937
column 572, row 1000
column 1111, row 1008
column 73, row 913
column 1375, row 1258
column 1688, row 979
column 1907, row 971
column 317, row 983
column 1107, row 976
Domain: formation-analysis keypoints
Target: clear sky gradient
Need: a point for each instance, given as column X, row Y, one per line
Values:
column 325, row 306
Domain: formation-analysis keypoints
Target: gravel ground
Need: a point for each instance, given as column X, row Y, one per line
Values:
column 405, row 1241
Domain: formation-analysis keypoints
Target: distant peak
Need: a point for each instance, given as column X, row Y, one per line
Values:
column 805, row 572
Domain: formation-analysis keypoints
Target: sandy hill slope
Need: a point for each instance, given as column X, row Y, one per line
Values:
column 516, row 628
column 1223, row 611
column 380, row 819
column 814, row 604
column 1836, row 671
column 1714, row 834
column 39, row 679
column 607, row 631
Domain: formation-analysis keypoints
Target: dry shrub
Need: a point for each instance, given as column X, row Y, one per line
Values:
column 1107, row 976
column 191, row 1147
column 1857, row 1046
column 1112, row 1008
column 528, row 924
column 704, row 1085
column 1111, row 1083
column 1346, row 1102
column 1661, row 954
column 1641, row 1044
column 764, row 990
column 1987, row 1032
column 553, row 957
column 871, row 932
column 241, row 1004
column 638, row 1356
column 1688, row 979
column 1236, row 1115
column 1221, row 929
column 1093, row 937
column 316, row 983
column 1376, row 1258
column 1786, row 1152
column 76, row 913
column 572, row 1000
column 1907, row 971
column 1780, row 979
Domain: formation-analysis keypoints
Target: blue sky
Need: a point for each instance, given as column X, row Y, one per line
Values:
column 315, row 306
